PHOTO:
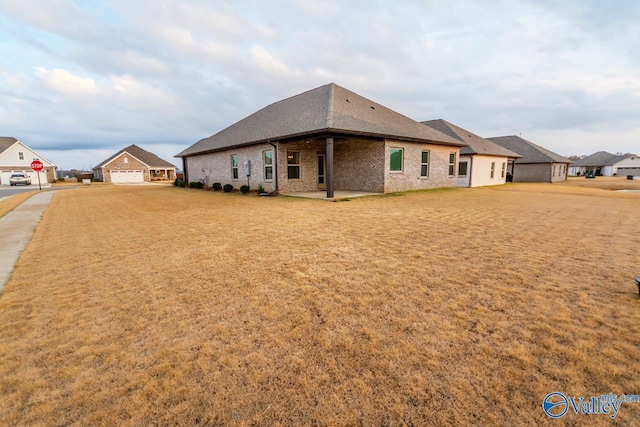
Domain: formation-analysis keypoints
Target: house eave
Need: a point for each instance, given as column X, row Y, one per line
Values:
column 327, row 132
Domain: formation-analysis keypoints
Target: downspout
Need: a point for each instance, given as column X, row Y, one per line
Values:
column 275, row 165
column 470, row 170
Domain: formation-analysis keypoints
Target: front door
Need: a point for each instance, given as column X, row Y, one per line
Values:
column 322, row 184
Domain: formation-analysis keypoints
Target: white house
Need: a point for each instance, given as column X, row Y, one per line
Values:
column 16, row 156
column 482, row 162
column 607, row 164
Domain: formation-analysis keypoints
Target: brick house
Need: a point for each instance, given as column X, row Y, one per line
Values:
column 328, row 138
column 134, row 165
column 16, row 157
column 482, row 162
column 537, row 164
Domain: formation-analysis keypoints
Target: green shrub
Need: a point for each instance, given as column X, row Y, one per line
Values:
column 199, row 185
column 227, row 188
column 260, row 189
column 178, row 182
column 193, row 184
column 245, row 189
column 217, row 186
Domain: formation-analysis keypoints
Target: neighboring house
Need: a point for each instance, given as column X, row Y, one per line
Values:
column 482, row 162
column 606, row 164
column 15, row 156
column 134, row 165
column 537, row 164
column 324, row 139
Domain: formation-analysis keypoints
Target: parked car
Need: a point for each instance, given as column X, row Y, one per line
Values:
column 19, row 178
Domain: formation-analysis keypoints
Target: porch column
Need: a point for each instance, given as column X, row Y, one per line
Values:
column 329, row 168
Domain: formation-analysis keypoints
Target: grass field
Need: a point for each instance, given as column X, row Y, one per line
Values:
column 157, row 305
column 10, row 203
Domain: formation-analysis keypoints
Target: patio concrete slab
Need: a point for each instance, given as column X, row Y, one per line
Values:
column 337, row 195
column 16, row 230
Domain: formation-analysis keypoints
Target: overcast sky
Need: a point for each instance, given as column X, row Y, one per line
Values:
column 80, row 80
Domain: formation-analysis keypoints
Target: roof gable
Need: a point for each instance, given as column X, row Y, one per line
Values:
column 328, row 108
column 6, row 142
column 142, row 155
column 476, row 144
column 531, row 153
column 10, row 145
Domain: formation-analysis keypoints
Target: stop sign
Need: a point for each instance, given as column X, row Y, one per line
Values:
column 37, row 165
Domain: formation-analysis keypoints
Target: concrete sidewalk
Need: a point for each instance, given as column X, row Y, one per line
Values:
column 16, row 229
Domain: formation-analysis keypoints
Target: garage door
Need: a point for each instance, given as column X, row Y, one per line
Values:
column 126, row 176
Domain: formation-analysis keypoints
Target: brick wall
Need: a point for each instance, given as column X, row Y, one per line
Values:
column 409, row 178
column 309, row 151
column 119, row 164
column 359, row 165
column 216, row 167
column 539, row 172
column 532, row 172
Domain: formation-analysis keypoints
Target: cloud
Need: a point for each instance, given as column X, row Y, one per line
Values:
column 65, row 83
column 105, row 73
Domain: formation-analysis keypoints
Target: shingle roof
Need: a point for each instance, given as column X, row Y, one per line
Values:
column 144, row 156
column 326, row 109
column 477, row 144
column 596, row 159
column 601, row 158
column 531, row 153
column 6, row 142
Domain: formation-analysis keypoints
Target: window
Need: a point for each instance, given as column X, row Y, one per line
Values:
column 462, row 168
column 293, row 164
column 395, row 160
column 21, row 155
column 126, row 160
column 493, row 169
column 267, row 157
column 504, row 169
column 452, row 164
column 424, row 164
column 234, row 166
column 554, row 170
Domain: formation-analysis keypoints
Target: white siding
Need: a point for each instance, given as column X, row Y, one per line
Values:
column 481, row 170
column 11, row 157
column 463, row 180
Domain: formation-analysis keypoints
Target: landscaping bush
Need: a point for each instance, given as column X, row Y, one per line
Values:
column 260, row 189
column 245, row 189
column 193, row 184
column 217, row 186
column 199, row 185
column 178, row 182
column 227, row 188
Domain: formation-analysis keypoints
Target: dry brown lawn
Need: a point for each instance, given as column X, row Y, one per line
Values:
column 158, row 305
column 8, row 204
